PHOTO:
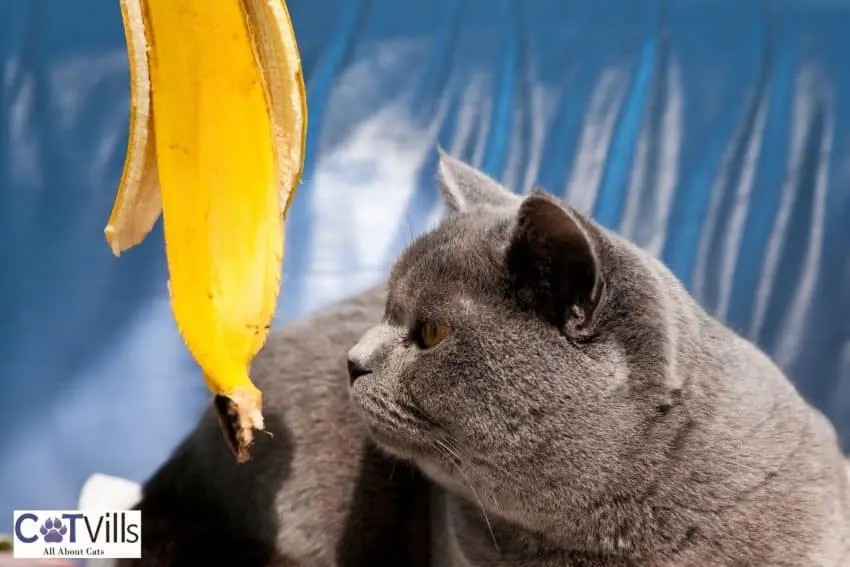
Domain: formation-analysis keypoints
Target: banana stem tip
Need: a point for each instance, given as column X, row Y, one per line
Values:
column 238, row 417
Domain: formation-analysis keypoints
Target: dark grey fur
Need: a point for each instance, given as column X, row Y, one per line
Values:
column 584, row 412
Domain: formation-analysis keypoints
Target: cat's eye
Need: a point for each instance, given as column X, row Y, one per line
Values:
column 430, row 334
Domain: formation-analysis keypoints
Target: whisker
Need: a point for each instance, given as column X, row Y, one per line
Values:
column 448, row 449
column 460, row 463
column 469, row 464
column 495, row 465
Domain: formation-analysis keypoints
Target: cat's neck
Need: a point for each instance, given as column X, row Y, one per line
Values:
column 472, row 537
column 707, row 522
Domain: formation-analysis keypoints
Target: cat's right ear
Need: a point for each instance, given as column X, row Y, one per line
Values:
column 554, row 266
column 465, row 188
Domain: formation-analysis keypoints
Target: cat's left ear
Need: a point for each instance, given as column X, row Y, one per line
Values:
column 465, row 188
column 554, row 265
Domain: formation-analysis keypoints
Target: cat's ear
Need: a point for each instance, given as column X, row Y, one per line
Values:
column 554, row 265
column 465, row 188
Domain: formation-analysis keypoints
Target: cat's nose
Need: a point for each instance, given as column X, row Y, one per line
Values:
column 355, row 371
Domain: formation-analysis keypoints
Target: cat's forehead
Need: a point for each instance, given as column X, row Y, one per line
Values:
column 465, row 253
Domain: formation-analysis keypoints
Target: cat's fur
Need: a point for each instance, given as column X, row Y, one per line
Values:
column 584, row 411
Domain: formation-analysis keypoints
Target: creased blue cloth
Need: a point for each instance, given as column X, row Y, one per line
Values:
column 715, row 133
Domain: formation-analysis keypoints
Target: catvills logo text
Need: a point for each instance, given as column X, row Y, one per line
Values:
column 77, row 533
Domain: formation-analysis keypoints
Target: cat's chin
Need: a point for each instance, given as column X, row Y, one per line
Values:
column 401, row 446
column 402, row 431
column 391, row 443
column 437, row 469
column 430, row 462
column 443, row 473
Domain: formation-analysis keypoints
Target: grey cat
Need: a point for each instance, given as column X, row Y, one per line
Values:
column 567, row 400
column 544, row 370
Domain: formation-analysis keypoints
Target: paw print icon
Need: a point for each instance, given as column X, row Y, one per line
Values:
column 53, row 530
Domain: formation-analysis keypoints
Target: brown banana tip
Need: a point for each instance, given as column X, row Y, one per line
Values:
column 238, row 422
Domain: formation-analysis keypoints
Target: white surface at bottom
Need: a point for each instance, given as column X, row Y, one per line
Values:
column 105, row 492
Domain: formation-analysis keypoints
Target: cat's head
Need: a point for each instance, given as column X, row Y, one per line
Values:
column 522, row 352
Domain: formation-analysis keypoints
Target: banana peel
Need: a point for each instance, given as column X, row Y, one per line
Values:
column 218, row 122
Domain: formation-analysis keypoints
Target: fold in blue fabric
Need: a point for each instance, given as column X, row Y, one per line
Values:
column 715, row 134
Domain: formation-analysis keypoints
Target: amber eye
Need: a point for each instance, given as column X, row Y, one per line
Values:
column 432, row 333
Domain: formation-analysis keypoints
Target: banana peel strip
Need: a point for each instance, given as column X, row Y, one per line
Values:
column 218, row 124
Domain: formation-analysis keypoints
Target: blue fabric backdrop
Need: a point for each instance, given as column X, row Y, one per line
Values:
column 716, row 133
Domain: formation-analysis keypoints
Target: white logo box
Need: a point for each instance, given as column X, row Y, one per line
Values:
column 80, row 534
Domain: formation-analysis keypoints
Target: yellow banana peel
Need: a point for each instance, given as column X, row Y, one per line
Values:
column 218, row 121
